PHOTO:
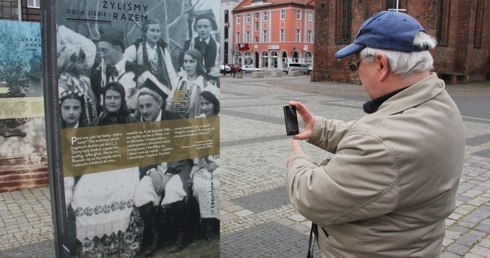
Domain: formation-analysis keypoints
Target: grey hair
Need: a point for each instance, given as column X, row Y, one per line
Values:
column 406, row 64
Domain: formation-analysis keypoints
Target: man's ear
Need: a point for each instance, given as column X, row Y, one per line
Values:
column 383, row 66
column 119, row 49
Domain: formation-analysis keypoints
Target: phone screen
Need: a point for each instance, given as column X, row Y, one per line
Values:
column 291, row 120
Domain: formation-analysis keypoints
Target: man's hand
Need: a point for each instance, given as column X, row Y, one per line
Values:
column 211, row 166
column 308, row 120
column 166, row 177
column 156, row 179
column 296, row 149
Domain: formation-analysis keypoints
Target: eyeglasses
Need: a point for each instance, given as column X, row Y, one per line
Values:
column 354, row 64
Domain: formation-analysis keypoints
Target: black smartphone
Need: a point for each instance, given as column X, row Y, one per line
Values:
column 291, row 120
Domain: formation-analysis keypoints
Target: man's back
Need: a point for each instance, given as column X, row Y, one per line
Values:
column 413, row 156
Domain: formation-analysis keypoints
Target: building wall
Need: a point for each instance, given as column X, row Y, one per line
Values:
column 15, row 179
column 272, row 52
column 9, row 10
column 30, row 14
column 17, row 10
column 226, row 52
column 458, row 55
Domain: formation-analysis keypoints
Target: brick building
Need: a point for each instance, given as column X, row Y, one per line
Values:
column 462, row 28
column 20, row 10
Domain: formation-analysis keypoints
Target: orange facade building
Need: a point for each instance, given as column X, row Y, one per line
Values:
column 271, row 33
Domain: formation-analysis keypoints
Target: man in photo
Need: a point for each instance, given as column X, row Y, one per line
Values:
column 115, row 67
column 204, row 24
column 150, row 188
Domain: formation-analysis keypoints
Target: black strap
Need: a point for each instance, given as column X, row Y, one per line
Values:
column 311, row 247
column 76, row 178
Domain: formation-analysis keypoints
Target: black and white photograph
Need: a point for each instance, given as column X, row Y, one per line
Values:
column 121, row 63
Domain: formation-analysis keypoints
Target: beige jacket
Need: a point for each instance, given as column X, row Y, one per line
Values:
column 392, row 181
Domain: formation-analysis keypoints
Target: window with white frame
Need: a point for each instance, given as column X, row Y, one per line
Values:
column 256, row 39
column 283, row 15
column 256, row 26
column 265, row 16
column 298, row 35
column 238, row 18
column 247, row 36
column 34, row 3
column 264, row 36
column 257, row 15
column 310, row 16
column 281, row 35
column 309, row 36
column 238, row 37
column 247, row 18
column 298, row 15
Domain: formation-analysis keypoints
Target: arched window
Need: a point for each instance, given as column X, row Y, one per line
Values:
column 238, row 58
column 284, row 58
column 248, row 60
column 295, row 57
column 274, row 59
column 256, row 59
column 443, row 22
column 265, row 59
column 344, row 24
column 309, row 58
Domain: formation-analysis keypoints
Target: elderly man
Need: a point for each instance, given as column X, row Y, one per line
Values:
column 115, row 67
column 154, row 178
column 393, row 178
column 151, row 102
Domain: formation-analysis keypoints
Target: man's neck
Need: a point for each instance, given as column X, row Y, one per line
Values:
column 396, row 82
column 121, row 63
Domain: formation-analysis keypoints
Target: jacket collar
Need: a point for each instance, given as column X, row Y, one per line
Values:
column 411, row 96
column 373, row 105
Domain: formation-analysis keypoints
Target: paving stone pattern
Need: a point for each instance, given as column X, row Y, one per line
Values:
column 256, row 217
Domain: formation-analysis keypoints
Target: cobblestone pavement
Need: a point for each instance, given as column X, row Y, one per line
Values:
column 257, row 219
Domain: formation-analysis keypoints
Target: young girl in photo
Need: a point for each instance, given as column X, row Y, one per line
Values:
column 152, row 52
column 206, row 180
column 185, row 99
column 115, row 108
column 72, row 104
column 75, row 59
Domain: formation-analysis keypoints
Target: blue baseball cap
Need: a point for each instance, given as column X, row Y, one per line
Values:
column 389, row 30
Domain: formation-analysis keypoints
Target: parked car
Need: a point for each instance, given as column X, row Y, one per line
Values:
column 224, row 68
column 235, row 68
column 300, row 67
column 250, row 68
